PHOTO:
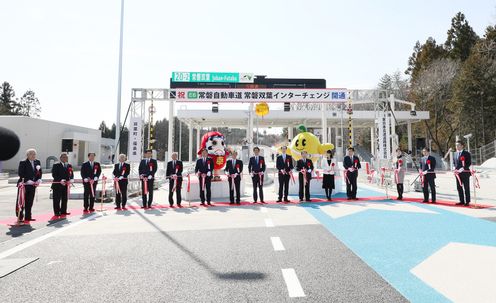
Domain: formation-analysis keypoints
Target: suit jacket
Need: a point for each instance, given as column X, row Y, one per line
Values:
column 177, row 170
column 348, row 162
column 425, row 167
column 124, row 172
column 88, row 172
column 458, row 163
column 59, row 173
column 305, row 164
column 148, row 170
column 255, row 167
column 27, row 172
column 204, row 168
column 284, row 165
column 231, row 169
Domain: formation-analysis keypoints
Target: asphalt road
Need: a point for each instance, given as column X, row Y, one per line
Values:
column 218, row 254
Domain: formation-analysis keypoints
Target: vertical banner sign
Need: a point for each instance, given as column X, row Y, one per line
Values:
column 384, row 136
column 135, row 147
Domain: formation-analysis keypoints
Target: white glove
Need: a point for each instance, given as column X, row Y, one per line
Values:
column 30, row 182
column 332, row 173
column 39, row 181
column 209, row 174
column 350, row 169
column 72, row 181
column 95, row 178
column 62, row 181
column 121, row 177
column 461, row 170
column 424, row 173
column 85, row 179
column 282, row 171
column 150, row 177
column 252, row 174
column 261, row 173
column 309, row 170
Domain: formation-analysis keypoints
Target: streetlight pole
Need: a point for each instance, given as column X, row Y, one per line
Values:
column 119, row 84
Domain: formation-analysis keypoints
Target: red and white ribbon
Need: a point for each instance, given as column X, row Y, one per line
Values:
column 476, row 179
column 21, row 195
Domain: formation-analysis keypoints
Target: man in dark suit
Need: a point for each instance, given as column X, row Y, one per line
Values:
column 305, row 167
column 352, row 164
column 257, row 167
column 284, row 165
column 121, row 174
column 461, row 162
column 63, row 177
column 90, row 173
column 30, row 175
column 234, row 169
column 204, row 168
column 428, row 166
column 147, row 169
column 174, row 172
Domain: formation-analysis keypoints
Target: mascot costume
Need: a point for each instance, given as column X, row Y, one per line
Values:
column 215, row 144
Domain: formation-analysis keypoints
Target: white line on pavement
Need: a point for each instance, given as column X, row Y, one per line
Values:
column 277, row 243
column 292, row 283
column 269, row 223
column 264, row 209
column 32, row 242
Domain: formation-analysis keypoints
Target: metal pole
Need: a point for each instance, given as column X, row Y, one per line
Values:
column 180, row 139
column 119, row 85
column 170, row 142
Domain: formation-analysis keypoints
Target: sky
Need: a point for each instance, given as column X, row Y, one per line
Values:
column 67, row 51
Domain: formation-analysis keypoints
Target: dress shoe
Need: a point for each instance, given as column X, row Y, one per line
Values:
column 32, row 219
column 279, row 201
column 460, row 203
column 92, row 210
column 65, row 214
column 467, row 203
column 124, row 208
column 287, row 200
column 118, row 208
column 238, row 203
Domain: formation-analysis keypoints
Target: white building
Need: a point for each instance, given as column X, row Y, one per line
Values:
column 51, row 138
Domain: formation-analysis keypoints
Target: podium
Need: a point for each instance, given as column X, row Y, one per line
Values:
column 219, row 189
column 315, row 184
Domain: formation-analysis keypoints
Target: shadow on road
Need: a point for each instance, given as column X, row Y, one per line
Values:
column 219, row 275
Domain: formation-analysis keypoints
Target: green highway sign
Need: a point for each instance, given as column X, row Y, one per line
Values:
column 212, row 77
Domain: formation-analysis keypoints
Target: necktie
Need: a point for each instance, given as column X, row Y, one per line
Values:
column 173, row 164
column 32, row 164
column 91, row 164
column 256, row 160
column 120, row 166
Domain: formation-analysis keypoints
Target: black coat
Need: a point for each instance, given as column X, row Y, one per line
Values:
column 178, row 170
column 148, row 170
column 305, row 164
column 458, row 163
column 87, row 172
column 425, row 167
column 124, row 172
column 230, row 169
column 348, row 162
column 284, row 165
column 204, row 168
column 255, row 167
column 59, row 173
column 27, row 172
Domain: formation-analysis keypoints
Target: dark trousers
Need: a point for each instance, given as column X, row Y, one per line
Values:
column 60, row 200
column 328, row 192
column 237, row 182
column 150, row 192
column 464, row 190
column 429, row 181
column 283, row 186
column 351, row 186
column 172, row 182
column 25, row 212
column 257, row 188
column 208, row 183
column 121, row 198
column 303, row 185
column 399, row 187
column 89, row 200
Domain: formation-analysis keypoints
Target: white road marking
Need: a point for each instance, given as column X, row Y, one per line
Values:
column 53, row 262
column 32, row 242
column 269, row 223
column 292, row 283
column 264, row 209
column 277, row 243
